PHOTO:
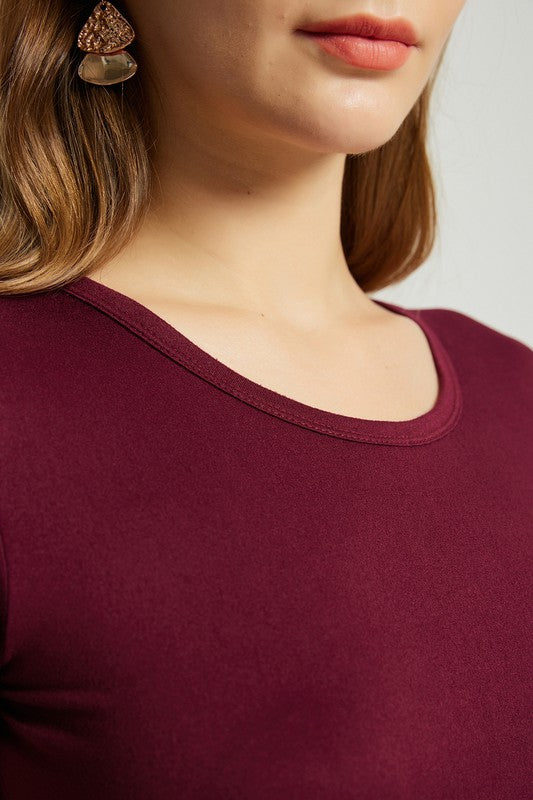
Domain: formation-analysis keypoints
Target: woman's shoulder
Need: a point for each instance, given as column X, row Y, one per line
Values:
column 490, row 363
column 28, row 307
column 471, row 334
column 23, row 316
column 35, row 331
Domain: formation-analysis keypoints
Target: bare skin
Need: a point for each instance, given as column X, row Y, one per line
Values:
column 241, row 249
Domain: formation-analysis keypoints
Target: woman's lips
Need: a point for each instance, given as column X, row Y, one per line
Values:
column 379, row 54
column 395, row 29
column 364, row 40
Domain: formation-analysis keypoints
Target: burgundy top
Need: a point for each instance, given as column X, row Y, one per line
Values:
column 212, row 591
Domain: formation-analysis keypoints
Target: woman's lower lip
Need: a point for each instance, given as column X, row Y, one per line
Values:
column 364, row 53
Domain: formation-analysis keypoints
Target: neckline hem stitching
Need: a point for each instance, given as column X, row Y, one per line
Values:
column 194, row 365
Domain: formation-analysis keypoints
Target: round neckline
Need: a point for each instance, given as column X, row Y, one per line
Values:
column 426, row 428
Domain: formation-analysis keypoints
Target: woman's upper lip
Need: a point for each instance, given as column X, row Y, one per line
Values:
column 394, row 28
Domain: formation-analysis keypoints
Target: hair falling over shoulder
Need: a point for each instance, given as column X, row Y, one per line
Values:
column 75, row 174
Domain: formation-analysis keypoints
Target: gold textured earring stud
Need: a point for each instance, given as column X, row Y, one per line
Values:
column 104, row 37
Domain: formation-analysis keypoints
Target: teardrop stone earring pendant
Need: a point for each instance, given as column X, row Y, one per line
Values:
column 104, row 37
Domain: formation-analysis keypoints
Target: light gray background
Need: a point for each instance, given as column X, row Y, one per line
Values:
column 481, row 148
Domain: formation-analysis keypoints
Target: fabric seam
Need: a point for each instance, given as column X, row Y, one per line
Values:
column 400, row 439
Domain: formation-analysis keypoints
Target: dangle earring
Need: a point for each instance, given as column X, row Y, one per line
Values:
column 104, row 37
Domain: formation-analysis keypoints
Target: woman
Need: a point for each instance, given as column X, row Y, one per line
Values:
column 264, row 536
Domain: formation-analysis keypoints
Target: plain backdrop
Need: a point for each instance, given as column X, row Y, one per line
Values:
column 481, row 148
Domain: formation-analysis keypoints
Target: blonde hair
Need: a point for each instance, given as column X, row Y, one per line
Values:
column 76, row 179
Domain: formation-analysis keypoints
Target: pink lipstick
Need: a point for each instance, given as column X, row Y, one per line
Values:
column 364, row 41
